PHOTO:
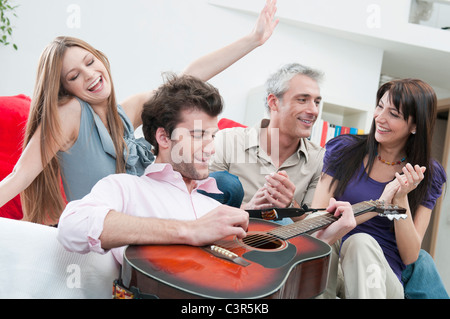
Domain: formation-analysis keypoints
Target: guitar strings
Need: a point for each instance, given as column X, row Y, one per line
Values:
column 258, row 239
column 289, row 231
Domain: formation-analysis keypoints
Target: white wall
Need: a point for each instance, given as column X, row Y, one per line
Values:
column 143, row 38
column 352, row 70
column 382, row 19
column 410, row 50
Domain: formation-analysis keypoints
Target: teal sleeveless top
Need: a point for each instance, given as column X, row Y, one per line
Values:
column 93, row 156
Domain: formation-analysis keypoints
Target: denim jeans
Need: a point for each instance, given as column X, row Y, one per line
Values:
column 230, row 186
column 421, row 279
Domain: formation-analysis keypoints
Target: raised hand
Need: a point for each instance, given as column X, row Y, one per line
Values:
column 410, row 178
column 259, row 200
column 280, row 189
column 266, row 22
column 215, row 62
column 403, row 183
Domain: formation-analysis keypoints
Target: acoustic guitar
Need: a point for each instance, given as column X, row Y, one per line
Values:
column 272, row 261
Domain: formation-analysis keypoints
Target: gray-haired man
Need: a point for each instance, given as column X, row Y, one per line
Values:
column 275, row 162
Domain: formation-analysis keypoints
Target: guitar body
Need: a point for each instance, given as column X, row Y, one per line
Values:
column 281, row 269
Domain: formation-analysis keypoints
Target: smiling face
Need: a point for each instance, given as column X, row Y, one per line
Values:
column 192, row 144
column 390, row 126
column 85, row 76
column 298, row 109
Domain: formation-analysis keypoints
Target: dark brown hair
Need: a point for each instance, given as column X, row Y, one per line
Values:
column 177, row 94
column 413, row 98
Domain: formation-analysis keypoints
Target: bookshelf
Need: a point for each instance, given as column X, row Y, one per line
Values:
column 345, row 116
column 336, row 119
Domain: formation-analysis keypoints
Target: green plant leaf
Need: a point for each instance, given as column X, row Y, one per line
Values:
column 6, row 28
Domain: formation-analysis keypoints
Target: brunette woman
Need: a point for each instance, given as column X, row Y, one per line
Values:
column 393, row 163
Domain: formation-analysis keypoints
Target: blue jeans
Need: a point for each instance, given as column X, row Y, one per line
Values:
column 421, row 279
column 230, row 186
column 284, row 221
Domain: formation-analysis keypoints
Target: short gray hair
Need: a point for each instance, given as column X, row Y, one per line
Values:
column 278, row 83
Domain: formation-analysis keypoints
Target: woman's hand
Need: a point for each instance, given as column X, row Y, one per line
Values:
column 342, row 226
column 266, row 23
column 403, row 183
column 411, row 177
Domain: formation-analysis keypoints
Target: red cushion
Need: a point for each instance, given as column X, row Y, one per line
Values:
column 13, row 117
column 227, row 123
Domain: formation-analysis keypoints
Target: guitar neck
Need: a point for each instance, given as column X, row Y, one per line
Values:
column 310, row 225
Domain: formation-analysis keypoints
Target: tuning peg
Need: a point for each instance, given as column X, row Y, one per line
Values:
column 393, row 215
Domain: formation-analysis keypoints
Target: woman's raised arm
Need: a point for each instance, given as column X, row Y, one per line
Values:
column 215, row 62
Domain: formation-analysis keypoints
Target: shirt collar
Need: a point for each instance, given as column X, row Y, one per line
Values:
column 253, row 138
column 165, row 172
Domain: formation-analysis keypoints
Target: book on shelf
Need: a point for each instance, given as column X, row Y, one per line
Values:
column 323, row 131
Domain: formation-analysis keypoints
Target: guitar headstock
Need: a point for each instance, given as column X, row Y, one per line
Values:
column 388, row 210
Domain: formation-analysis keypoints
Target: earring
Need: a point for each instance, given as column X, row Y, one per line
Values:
column 413, row 132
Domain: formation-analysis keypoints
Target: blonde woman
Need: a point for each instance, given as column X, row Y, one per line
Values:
column 76, row 129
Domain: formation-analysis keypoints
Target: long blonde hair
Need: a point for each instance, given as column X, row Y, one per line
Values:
column 43, row 201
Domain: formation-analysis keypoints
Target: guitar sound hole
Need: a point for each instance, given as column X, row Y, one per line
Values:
column 263, row 241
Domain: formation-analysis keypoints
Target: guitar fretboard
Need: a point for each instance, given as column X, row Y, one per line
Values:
column 312, row 224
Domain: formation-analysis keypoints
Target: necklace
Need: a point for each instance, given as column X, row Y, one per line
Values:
column 391, row 163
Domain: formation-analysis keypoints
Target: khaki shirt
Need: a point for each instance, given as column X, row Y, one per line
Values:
column 238, row 152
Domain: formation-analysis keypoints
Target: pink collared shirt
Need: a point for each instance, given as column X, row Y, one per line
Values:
column 161, row 193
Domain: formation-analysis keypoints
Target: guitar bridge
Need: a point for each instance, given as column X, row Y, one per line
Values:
column 227, row 255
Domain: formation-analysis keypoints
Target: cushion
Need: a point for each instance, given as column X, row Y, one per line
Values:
column 13, row 118
column 227, row 123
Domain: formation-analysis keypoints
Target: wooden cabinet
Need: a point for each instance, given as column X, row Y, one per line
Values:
column 440, row 151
